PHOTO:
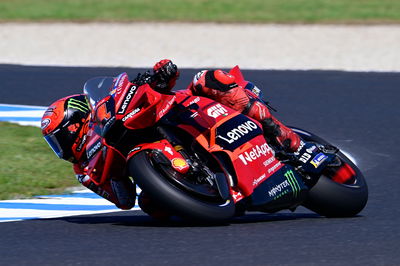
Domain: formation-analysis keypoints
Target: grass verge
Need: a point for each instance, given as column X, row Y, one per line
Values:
column 251, row 11
column 28, row 166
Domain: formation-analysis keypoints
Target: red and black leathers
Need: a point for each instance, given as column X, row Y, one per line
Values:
column 221, row 87
column 217, row 85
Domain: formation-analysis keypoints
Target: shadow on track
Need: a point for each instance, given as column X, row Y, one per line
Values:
column 147, row 221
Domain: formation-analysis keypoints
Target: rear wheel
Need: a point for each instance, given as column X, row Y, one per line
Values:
column 341, row 191
column 175, row 192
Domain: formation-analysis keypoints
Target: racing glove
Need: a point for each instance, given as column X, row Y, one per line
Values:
column 166, row 73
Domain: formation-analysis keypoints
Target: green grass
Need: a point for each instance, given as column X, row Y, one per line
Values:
column 28, row 166
column 251, row 11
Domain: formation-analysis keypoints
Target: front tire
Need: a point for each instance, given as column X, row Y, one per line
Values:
column 173, row 198
column 333, row 199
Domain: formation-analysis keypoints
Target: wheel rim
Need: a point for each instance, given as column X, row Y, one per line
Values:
column 204, row 191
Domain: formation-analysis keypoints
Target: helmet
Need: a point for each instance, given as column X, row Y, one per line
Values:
column 64, row 125
column 207, row 80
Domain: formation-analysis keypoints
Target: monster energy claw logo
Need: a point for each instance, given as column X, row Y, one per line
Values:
column 289, row 175
column 77, row 104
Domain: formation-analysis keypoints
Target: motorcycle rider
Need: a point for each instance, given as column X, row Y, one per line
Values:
column 65, row 126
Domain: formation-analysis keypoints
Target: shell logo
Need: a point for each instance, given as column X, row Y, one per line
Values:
column 179, row 163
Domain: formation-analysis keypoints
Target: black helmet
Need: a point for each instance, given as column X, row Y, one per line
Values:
column 62, row 125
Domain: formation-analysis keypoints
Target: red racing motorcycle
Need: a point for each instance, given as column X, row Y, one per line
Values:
column 204, row 161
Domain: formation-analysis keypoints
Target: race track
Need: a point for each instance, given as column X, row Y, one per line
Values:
column 356, row 111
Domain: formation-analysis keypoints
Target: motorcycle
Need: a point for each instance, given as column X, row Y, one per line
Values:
column 203, row 161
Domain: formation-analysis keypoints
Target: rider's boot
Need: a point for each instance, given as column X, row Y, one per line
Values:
column 274, row 131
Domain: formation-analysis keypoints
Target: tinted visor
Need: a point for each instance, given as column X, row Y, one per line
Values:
column 51, row 139
column 61, row 142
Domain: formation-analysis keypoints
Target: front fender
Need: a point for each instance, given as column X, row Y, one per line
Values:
column 177, row 161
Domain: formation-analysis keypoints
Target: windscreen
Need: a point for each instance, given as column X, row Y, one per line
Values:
column 97, row 89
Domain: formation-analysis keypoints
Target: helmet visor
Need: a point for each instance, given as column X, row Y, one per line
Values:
column 53, row 142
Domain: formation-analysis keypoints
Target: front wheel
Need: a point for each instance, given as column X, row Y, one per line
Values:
column 160, row 186
column 334, row 195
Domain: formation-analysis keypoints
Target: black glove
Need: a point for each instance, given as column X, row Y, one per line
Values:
column 165, row 71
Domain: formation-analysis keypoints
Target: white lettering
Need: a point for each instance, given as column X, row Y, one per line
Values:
column 137, row 110
column 167, row 106
column 216, row 110
column 239, row 131
column 94, row 149
column 269, row 161
column 305, row 157
column 196, row 100
column 127, row 100
column 273, row 168
column 255, row 153
column 258, row 180
column 278, row 188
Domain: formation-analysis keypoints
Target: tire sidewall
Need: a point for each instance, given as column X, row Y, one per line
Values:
column 333, row 199
column 172, row 198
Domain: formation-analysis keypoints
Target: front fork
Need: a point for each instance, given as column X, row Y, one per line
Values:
column 198, row 169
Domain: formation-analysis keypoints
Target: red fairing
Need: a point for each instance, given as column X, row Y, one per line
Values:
column 216, row 127
column 253, row 161
column 344, row 174
column 144, row 104
column 177, row 161
column 239, row 79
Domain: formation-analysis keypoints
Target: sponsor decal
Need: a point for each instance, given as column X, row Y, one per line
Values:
column 273, row 168
column 195, row 100
column 259, row 179
column 256, row 90
column 269, row 161
column 169, row 150
column 216, row 111
column 137, row 110
column 82, row 143
column 127, row 100
column 320, row 158
column 305, row 157
column 289, row 185
column 121, row 80
column 167, row 106
column 294, row 184
column 299, row 148
column 78, row 105
column 179, row 163
column 237, row 131
column 278, row 189
column 45, row 123
column 255, row 153
column 237, row 195
column 93, row 149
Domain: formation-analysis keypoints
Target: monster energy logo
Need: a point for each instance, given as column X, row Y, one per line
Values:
column 289, row 175
column 77, row 104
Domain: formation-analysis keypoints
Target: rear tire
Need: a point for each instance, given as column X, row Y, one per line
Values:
column 332, row 199
column 174, row 199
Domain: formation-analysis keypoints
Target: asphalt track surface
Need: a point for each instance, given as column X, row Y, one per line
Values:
column 355, row 111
